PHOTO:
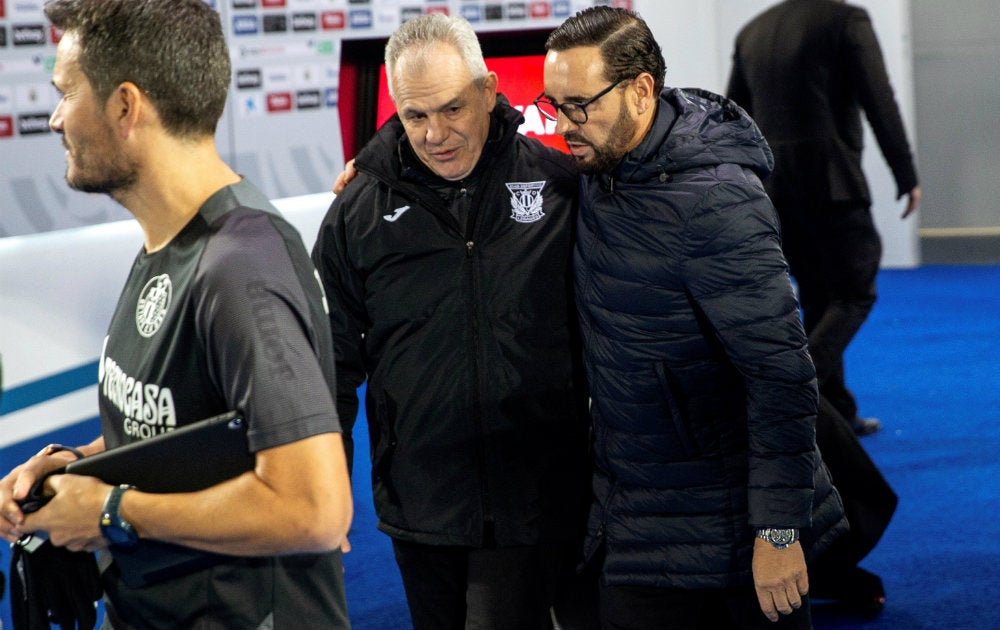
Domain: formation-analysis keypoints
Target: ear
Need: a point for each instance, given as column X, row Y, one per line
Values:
column 125, row 108
column 490, row 83
column 643, row 87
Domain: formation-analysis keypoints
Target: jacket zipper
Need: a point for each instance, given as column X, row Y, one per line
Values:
column 474, row 323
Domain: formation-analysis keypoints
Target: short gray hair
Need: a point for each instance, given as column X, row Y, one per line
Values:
column 427, row 30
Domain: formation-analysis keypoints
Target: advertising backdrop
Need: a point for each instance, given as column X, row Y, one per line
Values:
column 281, row 127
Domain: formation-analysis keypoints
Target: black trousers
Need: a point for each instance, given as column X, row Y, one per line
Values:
column 651, row 608
column 834, row 252
column 462, row 588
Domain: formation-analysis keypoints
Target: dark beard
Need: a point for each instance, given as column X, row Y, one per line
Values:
column 107, row 186
column 609, row 154
column 115, row 177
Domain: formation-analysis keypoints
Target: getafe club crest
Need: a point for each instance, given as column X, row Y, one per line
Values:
column 151, row 309
column 526, row 201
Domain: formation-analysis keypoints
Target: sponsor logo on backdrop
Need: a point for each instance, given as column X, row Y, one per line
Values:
column 471, row 12
column 408, row 13
column 268, row 4
column 279, row 102
column 26, row 7
column 561, row 8
column 309, row 99
column 304, row 22
column 539, row 9
column 332, row 96
column 517, row 11
column 6, row 126
column 33, row 124
column 3, row 36
column 244, row 4
column 277, row 77
column 275, row 23
column 360, row 18
column 534, row 122
column 34, row 96
column 494, row 12
column 28, row 34
column 3, row 10
column 245, row 24
column 249, row 78
column 251, row 106
column 332, row 20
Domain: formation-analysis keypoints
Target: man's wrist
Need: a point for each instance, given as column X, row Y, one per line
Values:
column 780, row 538
column 52, row 449
column 115, row 529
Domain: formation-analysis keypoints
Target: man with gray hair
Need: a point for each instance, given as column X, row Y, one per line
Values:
column 447, row 265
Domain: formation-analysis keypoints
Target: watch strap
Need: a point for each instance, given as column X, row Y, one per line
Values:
column 114, row 527
column 780, row 538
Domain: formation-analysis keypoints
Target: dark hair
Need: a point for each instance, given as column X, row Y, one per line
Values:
column 173, row 50
column 626, row 43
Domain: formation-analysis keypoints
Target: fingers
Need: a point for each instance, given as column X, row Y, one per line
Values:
column 11, row 516
column 345, row 177
column 338, row 186
column 10, row 528
column 775, row 605
column 782, row 599
column 767, row 606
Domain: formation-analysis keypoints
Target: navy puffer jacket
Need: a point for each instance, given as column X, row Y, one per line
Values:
column 704, row 394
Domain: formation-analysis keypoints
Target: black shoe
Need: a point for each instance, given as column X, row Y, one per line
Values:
column 865, row 426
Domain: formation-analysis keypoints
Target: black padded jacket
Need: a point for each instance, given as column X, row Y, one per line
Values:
column 462, row 331
column 704, row 394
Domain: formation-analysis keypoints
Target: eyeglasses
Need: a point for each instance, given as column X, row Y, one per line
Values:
column 576, row 111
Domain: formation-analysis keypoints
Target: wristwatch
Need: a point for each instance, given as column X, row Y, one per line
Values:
column 115, row 529
column 780, row 538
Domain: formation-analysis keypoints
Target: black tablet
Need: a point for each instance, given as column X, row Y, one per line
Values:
column 191, row 458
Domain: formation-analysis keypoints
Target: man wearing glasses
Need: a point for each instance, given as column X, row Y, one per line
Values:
column 709, row 492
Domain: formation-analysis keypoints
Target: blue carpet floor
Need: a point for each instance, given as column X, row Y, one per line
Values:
column 926, row 364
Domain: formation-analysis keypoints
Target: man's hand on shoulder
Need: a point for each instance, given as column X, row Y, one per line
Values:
column 345, row 177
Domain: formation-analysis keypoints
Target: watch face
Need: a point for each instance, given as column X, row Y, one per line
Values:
column 782, row 536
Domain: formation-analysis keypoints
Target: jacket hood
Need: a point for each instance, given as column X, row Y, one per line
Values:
column 695, row 128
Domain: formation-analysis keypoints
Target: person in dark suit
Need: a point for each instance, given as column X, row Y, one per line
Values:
column 805, row 70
